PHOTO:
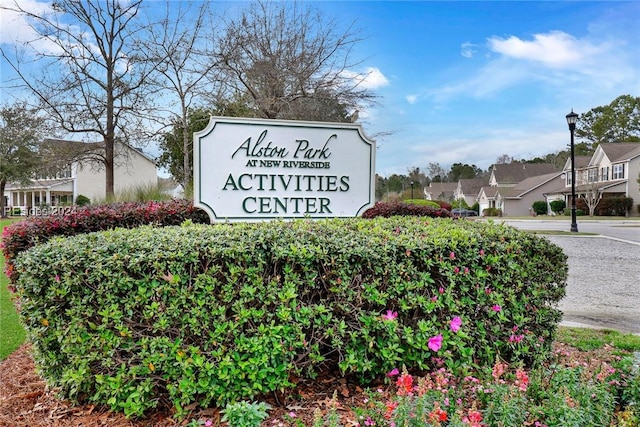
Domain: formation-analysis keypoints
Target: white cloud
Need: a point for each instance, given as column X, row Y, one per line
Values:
column 16, row 28
column 373, row 78
column 412, row 99
column 467, row 50
column 555, row 49
column 555, row 62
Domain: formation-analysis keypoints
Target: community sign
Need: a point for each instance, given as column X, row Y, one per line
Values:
column 254, row 170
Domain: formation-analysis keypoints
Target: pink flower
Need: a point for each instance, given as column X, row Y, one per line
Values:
column 435, row 343
column 496, row 308
column 481, row 252
column 57, row 278
column 393, row 372
column 455, row 324
column 456, row 270
column 208, row 423
column 522, row 380
column 391, row 315
column 452, row 255
column 516, row 338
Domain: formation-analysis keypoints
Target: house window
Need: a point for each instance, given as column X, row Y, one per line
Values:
column 593, row 175
column 604, row 173
column 65, row 172
column 618, row 171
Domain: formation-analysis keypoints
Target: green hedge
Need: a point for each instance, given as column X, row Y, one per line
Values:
column 22, row 235
column 220, row 313
column 422, row 202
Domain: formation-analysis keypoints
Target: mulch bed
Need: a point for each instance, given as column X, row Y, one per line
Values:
column 25, row 400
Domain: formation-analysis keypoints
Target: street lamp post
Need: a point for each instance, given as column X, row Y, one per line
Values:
column 411, row 190
column 572, row 118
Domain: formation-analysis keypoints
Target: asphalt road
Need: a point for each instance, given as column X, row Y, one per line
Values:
column 603, row 286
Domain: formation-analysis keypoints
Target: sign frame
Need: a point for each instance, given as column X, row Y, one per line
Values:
column 317, row 169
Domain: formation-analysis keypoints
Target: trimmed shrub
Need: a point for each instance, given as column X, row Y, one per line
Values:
column 558, row 206
column 227, row 312
column 492, row 212
column 539, row 207
column 22, row 235
column 386, row 210
column 423, row 202
column 579, row 212
column 82, row 200
column 614, row 206
column 444, row 205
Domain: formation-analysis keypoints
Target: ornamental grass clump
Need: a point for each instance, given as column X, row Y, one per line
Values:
column 213, row 314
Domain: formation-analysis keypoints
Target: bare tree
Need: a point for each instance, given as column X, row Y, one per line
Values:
column 87, row 77
column 436, row 172
column 289, row 59
column 504, row 159
column 591, row 194
column 178, row 45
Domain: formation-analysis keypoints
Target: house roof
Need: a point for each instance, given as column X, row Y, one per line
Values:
column 67, row 151
column 603, row 186
column 530, row 184
column 472, row 186
column 446, row 189
column 37, row 184
column 513, row 173
column 489, row 191
column 581, row 162
column 620, row 151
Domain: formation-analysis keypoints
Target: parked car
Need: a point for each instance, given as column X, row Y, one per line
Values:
column 461, row 213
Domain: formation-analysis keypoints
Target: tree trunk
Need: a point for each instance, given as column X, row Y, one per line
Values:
column 3, row 184
column 108, row 166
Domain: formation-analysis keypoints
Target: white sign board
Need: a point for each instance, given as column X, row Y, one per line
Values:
column 253, row 169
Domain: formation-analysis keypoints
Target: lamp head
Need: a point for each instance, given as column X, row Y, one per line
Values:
column 572, row 118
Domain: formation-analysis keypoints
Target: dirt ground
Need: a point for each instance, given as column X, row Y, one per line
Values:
column 25, row 401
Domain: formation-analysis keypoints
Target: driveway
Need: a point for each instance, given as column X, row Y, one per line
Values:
column 603, row 287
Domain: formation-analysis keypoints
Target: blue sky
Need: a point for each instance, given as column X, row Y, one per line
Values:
column 466, row 82
column 469, row 81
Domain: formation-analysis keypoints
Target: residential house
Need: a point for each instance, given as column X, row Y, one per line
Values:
column 518, row 200
column 612, row 171
column 513, row 187
column 75, row 172
column 468, row 190
column 440, row 191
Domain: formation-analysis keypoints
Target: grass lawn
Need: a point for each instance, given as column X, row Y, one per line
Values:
column 586, row 339
column 12, row 334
